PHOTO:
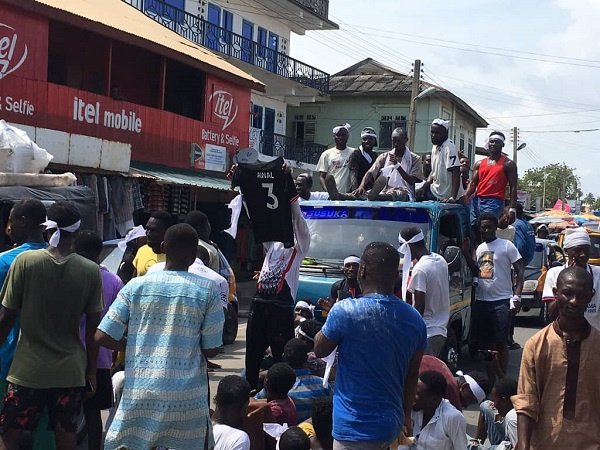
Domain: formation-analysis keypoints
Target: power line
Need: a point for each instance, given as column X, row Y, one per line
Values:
column 562, row 131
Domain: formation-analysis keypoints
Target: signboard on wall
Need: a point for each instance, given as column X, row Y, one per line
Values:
column 156, row 136
column 209, row 157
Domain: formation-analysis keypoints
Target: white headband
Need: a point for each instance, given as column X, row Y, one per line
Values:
column 496, row 136
column 475, row 388
column 441, row 122
column 405, row 250
column 363, row 134
column 575, row 237
column 302, row 333
column 304, row 305
column 131, row 235
column 52, row 225
column 338, row 128
column 352, row 260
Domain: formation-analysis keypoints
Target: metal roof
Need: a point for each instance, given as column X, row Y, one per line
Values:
column 118, row 15
column 175, row 175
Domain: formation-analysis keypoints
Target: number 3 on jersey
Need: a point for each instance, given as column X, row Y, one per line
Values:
column 272, row 197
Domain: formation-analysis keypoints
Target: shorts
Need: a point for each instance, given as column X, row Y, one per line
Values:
column 485, row 204
column 491, row 321
column 22, row 408
column 103, row 398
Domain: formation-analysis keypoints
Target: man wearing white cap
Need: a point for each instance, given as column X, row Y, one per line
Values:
column 363, row 157
column 335, row 161
column 429, row 287
column 577, row 245
column 443, row 183
column 491, row 175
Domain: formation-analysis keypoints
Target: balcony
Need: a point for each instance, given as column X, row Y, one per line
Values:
column 233, row 45
column 274, row 144
column 317, row 7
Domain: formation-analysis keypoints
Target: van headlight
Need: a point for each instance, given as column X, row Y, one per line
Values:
column 530, row 285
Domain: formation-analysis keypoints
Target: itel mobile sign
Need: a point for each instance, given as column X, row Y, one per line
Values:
column 13, row 53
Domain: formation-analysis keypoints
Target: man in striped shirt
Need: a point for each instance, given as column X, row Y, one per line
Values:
column 307, row 387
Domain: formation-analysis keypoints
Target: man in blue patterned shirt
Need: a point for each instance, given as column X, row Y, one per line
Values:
column 174, row 321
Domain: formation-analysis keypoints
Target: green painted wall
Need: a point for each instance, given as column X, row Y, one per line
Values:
column 366, row 111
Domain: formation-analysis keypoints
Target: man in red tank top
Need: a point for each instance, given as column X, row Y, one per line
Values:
column 491, row 175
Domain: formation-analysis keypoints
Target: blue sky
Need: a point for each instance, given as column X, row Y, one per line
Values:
column 516, row 90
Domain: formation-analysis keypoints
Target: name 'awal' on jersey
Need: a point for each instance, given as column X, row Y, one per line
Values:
column 265, row 175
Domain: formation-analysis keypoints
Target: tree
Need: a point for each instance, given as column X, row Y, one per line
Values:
column 589, row 199
column 561, row 182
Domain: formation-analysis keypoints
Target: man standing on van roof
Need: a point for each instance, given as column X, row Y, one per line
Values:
column 336, row 161
column 444, row 181
column 363, row 157
column 491, row 175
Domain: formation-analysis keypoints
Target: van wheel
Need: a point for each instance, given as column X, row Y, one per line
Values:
column 451, row 351
column 230, row 328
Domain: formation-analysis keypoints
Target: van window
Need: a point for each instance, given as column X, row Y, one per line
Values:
column 449, row 232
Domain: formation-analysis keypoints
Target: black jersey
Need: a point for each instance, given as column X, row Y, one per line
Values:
column 268, row 191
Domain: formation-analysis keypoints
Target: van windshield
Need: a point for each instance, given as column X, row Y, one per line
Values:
column 339, row 230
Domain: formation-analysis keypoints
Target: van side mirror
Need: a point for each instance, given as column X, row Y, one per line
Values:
column 452, row 256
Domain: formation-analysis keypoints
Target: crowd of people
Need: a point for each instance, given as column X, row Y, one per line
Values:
column 74, row 337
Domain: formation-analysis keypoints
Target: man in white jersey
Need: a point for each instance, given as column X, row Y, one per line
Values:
column 336, row 162
column 577, row 245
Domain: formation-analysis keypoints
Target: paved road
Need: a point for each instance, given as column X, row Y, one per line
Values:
column 233, row 361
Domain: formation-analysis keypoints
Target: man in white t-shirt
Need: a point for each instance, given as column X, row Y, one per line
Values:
column 430, row 290
column 577, row 246
column 443, row 183
column 336, row 161
column 495, row 298
column 231, row 403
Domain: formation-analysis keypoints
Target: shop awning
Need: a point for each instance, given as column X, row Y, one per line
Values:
column 184, row 177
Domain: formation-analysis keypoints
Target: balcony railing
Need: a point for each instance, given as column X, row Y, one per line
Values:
column 231, row 44
column 318, row 7
column 274, row 144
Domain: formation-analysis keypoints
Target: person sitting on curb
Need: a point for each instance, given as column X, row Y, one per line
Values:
column 497, row 418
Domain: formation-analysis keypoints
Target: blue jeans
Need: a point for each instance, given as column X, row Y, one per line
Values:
column 485, row 204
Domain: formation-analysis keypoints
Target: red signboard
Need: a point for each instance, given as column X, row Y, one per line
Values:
column 156, row 136
column 23, row 44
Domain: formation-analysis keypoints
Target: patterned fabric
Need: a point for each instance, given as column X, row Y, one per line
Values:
column 170, row 317
column 136, row 193
column 22, row 408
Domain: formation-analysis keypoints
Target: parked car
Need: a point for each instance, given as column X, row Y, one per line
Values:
column 339, row 229
column 547, row 254
column 112, row 255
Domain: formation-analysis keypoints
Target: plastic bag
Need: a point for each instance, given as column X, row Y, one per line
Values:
column 18, row 153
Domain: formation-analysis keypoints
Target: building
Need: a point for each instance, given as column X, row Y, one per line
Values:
column 254, row 35
column 371, row 94
column 115, row 96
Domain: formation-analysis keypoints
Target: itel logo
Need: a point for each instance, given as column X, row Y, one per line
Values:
column 9, row 59
column 224, row 107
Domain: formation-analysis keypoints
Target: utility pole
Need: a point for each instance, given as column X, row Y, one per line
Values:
column 412, row 120
column 515, row 140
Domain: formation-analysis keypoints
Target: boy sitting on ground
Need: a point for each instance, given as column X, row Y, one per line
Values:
column 233, row 396
column 307, row 387
column 497, row 418
column 278, row 382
